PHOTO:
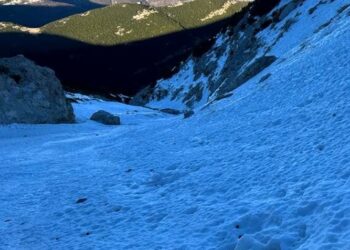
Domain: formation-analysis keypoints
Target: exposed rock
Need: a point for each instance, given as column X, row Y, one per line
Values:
column 250, row 71
column 188, row 114
column 265, row 77
column 31, row 94
column 171, row 111
column 81, row 200
column 141, row 98
column 195, row 94
column 105, row 118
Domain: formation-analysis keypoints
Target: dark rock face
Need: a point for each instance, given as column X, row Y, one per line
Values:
column 81, row 200
column 171, row 111
column 256, row 67
column 188, row 114
column 31, row 94
column 142, row 97
column 105, row 118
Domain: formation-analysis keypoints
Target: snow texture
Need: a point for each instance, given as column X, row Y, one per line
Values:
column 267, row 168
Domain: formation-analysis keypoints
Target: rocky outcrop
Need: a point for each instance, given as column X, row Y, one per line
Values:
column 31, row 94
column 188, row 114
column 105, row 118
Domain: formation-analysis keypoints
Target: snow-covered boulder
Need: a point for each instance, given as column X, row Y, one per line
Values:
column 106, row 118
column 31, row 94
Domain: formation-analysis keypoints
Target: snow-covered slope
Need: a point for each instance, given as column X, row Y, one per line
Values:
column 267, row 168
column 243, row 51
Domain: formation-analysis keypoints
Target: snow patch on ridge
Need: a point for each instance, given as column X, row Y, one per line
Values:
column 33, row 31
column 144, row 14
column 222, row 11
column 20, row 2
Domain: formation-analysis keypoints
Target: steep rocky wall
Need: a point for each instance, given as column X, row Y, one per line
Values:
column 31, row 94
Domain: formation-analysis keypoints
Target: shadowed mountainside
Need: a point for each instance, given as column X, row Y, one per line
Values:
column 125, row 68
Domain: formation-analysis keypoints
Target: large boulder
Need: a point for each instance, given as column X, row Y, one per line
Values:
column 31, row 94
column 105, row 118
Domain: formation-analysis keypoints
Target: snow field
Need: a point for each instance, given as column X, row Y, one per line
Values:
column 265, row 169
